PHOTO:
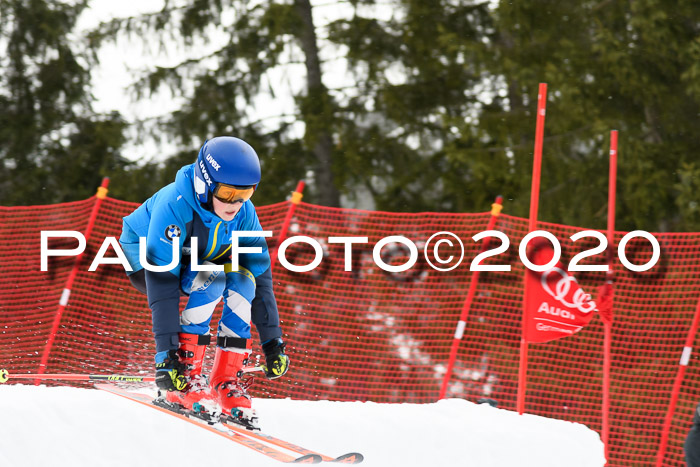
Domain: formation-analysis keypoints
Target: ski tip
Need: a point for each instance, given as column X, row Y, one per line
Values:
column 308, row 459
column 350, row 458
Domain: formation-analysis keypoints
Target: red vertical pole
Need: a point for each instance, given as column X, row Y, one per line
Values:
column 297, row 195
column 63, row 302
column 685, row 358
column 607, row 324
column 473, row 281
column 532, row 225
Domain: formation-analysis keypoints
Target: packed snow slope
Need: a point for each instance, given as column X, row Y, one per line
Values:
column 65, row 426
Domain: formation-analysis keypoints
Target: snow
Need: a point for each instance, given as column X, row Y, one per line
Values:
column 65, row 426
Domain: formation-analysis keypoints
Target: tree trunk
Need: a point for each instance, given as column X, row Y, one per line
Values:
column 317, row 112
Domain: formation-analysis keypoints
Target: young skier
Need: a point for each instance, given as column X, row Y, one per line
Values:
column 196, row 215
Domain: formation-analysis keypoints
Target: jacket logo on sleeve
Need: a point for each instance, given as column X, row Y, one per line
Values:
column 172, row 231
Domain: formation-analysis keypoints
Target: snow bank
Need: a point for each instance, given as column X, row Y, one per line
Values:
column 63, row 426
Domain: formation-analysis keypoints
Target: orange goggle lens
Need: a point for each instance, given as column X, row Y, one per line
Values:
column 231, row 194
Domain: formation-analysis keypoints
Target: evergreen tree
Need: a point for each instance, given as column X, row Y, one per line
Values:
column 416, row 72
column 221, row 88
column 53, row 148
column 467, row 101
column 441, row 112
column 609, row 65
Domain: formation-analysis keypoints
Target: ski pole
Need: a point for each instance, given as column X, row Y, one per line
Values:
column 5, row 376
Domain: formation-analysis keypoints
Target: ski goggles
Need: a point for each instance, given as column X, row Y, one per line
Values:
column 231, row 194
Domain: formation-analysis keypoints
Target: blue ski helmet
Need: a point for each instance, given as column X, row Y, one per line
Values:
column 228, row 161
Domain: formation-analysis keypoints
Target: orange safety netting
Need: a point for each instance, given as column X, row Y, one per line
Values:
column 371, row 335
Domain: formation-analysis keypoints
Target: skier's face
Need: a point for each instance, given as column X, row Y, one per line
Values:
column 226, row 211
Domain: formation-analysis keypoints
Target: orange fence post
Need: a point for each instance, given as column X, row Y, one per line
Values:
column 532, row 225
column 297, row 195
column 473, row 281
column 682, row 365
column 607, row 323
column 63, row 302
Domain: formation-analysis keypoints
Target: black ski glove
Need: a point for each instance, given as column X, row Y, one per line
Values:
column 277, row 362
column 169, row 371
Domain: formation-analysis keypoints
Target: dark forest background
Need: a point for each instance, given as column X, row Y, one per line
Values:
column 441, row 115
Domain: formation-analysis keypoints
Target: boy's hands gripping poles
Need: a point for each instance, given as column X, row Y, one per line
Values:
column 170, row 372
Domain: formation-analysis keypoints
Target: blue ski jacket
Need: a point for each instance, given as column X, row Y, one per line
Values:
column 174, row 214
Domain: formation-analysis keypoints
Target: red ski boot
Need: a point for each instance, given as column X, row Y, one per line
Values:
column 227, row 388
column 191, row 353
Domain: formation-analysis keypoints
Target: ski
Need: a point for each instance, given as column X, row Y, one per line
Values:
column 228, row 433
column 349, row 458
